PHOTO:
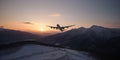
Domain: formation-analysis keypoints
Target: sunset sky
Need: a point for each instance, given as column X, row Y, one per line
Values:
column 34, row 15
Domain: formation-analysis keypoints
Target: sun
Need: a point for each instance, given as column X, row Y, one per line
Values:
column 42, row 30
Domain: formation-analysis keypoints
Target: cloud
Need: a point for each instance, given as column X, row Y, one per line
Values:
column 55, row 15
column 28, row 23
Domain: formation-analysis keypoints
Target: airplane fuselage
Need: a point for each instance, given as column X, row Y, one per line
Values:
column 59, row 27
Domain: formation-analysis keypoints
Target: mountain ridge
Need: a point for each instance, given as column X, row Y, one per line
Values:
column 98, row 31
column 8, row 35
column 100, row 41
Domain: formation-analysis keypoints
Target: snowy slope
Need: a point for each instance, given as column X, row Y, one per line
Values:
column 83, row 37
column 37, row 52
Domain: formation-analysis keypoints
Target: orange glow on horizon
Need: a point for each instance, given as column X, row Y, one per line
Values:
column 36, row 27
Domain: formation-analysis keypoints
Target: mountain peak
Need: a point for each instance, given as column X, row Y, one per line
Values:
column 96, row 26
column 82, row 28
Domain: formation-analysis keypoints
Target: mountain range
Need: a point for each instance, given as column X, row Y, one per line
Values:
column 8, row 36
column 103, row 43
column 92, row 34
column 98, row 40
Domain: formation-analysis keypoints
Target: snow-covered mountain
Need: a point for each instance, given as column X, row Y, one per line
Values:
column 84, row 37
column 96, row 39
column 95, row 32
column 39, row 52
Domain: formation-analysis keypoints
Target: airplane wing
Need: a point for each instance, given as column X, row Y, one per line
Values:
column 52, row 27
column 68, row 26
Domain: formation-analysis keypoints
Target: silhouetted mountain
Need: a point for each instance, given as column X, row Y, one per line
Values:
column 96, row 33
column 99, row 40
column 7, row 36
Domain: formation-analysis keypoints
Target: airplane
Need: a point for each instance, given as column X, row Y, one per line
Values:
column 61, row 28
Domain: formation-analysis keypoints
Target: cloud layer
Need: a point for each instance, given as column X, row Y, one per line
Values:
column 28, row 23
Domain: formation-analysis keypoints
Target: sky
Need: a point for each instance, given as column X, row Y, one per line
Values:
column 34, row 15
